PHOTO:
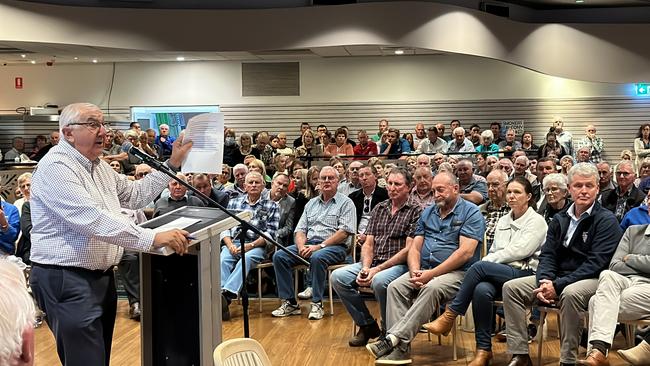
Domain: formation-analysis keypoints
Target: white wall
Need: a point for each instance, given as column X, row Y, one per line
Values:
column 333, row 80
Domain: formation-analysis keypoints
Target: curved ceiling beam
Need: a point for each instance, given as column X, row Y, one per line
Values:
column 616, row 53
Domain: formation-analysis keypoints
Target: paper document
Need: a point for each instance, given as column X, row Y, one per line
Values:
column 180, row 223
column 206, row 132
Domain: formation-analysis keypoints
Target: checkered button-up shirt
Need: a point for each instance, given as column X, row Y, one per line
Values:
column 76, row 210
column 390, row 231
column 321, row 219
column 492, row 215
column 266, row 217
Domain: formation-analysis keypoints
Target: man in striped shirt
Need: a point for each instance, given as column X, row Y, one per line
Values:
column 79, row 233
column 389, row 235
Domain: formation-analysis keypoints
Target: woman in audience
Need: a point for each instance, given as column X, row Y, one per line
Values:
column 309, row 146
column 644, row 173
column 341, row 147
column 231, row 153
column 379, row 166
column 513, row 254
column 40, row 143
column 551, row 147
column 300, row 182
column 412, row 163
column 492, row 162
column 245, row 144
column 338, row 164
column 222, row 181
column 452, row 160
column 566, row 163
column 326, row 141
column 24, row 182
column 487, row 143
column 555, row 187
column 528, row 145
column 280, row 162
column 482, row 168
column 642, row 143
column 409, row 138
column 116, row 166
column 257, row 165
column 144, row 145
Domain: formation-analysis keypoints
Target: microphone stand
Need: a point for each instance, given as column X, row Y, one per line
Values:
column 245, row 226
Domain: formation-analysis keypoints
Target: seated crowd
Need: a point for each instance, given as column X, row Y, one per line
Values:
column 440, row 222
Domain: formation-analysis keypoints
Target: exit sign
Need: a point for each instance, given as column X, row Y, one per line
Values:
column 643, row 89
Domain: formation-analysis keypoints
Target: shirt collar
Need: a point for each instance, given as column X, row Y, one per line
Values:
column 76, row 155
column 572, row 215
column 184, row 198
column 436, row 209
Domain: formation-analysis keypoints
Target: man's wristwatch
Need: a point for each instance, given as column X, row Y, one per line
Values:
column 322, row 245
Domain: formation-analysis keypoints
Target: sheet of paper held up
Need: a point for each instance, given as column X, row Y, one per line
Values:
column 206, row 132
column 180, row 223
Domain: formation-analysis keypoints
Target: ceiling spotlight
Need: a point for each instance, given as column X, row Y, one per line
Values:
column 399, row 52
column 94, row 60
column 23, row 55
column 32, row 61
column 75, row 58
column 580, row 1
column 180, row 58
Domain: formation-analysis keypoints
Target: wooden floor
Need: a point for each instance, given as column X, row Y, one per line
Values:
column 299, row 341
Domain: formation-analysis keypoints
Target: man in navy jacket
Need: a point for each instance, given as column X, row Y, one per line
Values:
column 580, row 243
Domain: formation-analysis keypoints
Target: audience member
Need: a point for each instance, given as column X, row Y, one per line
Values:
column 594, row 143
column 304, row 126
column 326, row 141
column 9, row 227
column 638, row 355
column 475, row 135
column 642, row 143
column 420, row 135
column 321, row 237
column 266, row 217
column 521, row 170
column 567, row 162
column 178, row 197
column 151, row 141
column 583, row 155
column 39, row 145
column 151, row 149
column 383, row 128
column 203, row 183
column 437, row 264
column 638, row 215
column 130, row 162
column 495, row 127
column 528, row 144
column 282, row 148
column 165, row 141
column 18, row 317
column 341, row 147
column 564, row 138
column 551, row 147
column 470, row 188
column 24, row 182
column 579, row 244
column 116, row 166
column 17, row 152
column 366, row 198
column 389, row 235
column 487, row 146
column 423, row 161
column 351, row 183
column 411, row 163
column 496, row 206
column 379, row 166
column 556, row 196
column 286, row 204
column 441, row 132
column 232, row 155
column 365, row 146
column 263, row 150
column 422, row 193
column 310, row 145
column 605, row 183
column 545, row 166
column 623, row 293
column 509, row 145
column 644, row 173
column 237, row 189
column 432, row 144
column 454, row 124
column 460, row 144
column 514, row 254
column 222, row 181
column 394, row 146
column 625, row 196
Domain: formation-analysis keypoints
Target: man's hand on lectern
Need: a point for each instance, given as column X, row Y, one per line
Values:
column 175, row 239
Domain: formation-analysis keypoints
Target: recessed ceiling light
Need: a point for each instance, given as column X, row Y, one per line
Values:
column 76, row 58
column 94, row 60
column 399, row 52
column 180, row 58
column 32, row 61
column 580, row 1
column 23, row 55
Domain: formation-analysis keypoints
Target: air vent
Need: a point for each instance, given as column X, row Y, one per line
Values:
column 12, row 50
column 497, row 9
column 270, row 79
column 296, row 52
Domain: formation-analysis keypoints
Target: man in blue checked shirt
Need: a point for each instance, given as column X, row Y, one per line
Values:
column 266, row 217
column 321, row 237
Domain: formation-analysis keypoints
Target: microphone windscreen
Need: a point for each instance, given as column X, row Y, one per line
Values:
column 126, row 146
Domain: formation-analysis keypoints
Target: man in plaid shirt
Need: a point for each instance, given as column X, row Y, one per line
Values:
column 266, row 217
column 389, row 235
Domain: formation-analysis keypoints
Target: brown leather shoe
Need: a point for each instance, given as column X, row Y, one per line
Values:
column 594, row 358
column 365, row 333
column 443, row 324
column 520, row 360
column 482, row 358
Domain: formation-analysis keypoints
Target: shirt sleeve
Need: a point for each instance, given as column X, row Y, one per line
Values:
column 473, row 225
column 348, row 218
column 8, row 238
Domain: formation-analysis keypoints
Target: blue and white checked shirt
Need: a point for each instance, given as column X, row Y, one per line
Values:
column 320, row 220
column 266, row 217
column 76, row 210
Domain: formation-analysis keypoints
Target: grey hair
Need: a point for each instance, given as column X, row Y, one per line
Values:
column 425, row 156
column 163, row 125
column 254, row 174
column 452, row 178
column 583, row 170
column 523, row 157
column 559, row 179
column 328, row 167
column 72, row 112
column 487, row 134
column 238, row 167
column 501, row 172
column 17, row 309
column 625, row 162
column 459, row 130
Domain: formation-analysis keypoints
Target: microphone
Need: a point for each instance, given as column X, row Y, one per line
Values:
column 128, row 147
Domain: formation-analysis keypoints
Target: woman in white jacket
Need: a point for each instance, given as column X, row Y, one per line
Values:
column 517, row 241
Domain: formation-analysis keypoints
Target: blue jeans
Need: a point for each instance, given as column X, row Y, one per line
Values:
column 318, row 262
column 482, row 285
column 342, row 282
column 231, row 279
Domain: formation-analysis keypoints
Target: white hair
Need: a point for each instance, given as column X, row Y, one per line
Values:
column 559, row 179
column 17, row 311
column 329, row 167
column 487, row 134
column 583, row 170
column 163, row 125
column 72, row 112
column 458, row 130
column 239, row 167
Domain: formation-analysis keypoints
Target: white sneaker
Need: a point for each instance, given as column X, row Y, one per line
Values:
column 306, row 295
column 286, row 309
column 316, row 312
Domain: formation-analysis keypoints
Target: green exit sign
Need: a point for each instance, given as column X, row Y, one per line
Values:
column 643, row 89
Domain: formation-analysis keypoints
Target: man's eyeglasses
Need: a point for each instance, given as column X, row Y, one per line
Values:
column 366, row 205
column 623, row 174
column 551, row 190
column 92, row 124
